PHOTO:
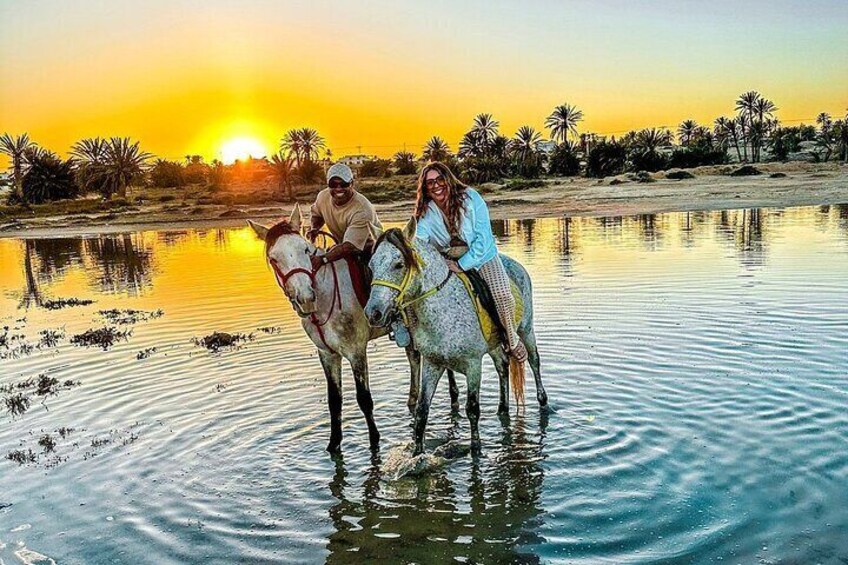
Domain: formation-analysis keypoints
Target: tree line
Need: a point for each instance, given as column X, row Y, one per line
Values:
column 108, row 166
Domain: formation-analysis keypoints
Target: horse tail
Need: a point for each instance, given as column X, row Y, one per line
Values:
column 516, row 379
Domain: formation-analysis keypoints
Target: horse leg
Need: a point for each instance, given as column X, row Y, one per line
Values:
column 533, row 356
column 359, row 364
column 472, row 402
column 501, row 362
column 454, row 391
column 414, row 358
column 430, row 375
column 332, row 364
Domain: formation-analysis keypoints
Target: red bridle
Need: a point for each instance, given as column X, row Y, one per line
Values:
column 283, row 278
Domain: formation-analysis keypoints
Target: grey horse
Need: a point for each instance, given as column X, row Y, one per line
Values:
column 444, row 324
column 333, row 319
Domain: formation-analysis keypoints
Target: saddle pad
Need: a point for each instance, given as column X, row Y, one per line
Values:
column 360, row 279
column 489, row 327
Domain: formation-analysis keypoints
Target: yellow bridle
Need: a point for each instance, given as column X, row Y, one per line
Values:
column 401, row 301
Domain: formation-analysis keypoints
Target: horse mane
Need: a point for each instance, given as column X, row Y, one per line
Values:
column 283, row 227
column 395, row 237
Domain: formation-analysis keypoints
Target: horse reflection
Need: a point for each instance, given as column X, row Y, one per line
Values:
column 491, row 514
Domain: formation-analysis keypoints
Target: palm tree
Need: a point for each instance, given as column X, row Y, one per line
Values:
column 562, row 120
column 471, row 145
column 485, row 128
column 290, row 144
column 15, row 148
column 125, row 163
column 310, row 144
column 436, row 150
column 48, row 177
column 527, row 159
column 303, row 144
column 92, row 150
column 523, row 145
column 686, row 131
column 404, row 162
column 283, row 170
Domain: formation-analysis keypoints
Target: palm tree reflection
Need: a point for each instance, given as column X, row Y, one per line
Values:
column 483, row 510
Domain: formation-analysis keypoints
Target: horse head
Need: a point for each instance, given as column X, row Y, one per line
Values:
column 289, row 255
column 394, row 264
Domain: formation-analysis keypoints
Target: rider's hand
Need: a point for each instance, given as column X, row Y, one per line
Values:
column 312, row 234
column 317, row 262
column 453, row 266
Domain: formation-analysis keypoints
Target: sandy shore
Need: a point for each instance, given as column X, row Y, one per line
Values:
column 804, row 184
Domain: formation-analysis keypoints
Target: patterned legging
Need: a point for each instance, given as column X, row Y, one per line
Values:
column 494, row 273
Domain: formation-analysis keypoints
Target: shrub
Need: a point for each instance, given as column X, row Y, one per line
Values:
column 651, row 161
column 167, row 174
column 745, row 171
column 381, row 192
column 605, row 159
column 48, row 178
column 679, row 175
column 404, row 162
column 217, row 178
column 375, row 168
column 563, row 161
column 643, row 176
column 483, row 169
column 695, row 156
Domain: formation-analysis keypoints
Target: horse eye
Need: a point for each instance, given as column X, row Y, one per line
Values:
column 398, row 265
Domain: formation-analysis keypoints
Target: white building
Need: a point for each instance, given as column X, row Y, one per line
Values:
column 546, row 146
column 352, row 160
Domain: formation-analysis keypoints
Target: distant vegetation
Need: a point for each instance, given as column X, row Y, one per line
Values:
column 111, row 167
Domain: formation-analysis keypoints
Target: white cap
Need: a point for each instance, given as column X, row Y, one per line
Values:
column 341, row 171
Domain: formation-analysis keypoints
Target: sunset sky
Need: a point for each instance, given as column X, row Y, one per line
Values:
column 190, row 76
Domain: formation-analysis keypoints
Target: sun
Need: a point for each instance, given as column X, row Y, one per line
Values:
column 240, row 148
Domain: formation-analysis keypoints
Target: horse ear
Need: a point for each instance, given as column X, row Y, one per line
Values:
column 296, row 217
column 261, row 231
column 410, row 229
column 374, row 230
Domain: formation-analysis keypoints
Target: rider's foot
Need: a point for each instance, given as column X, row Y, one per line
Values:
column 519, row 351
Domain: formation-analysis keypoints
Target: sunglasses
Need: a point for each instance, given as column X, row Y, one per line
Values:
column 338, row 183
column 438, row 181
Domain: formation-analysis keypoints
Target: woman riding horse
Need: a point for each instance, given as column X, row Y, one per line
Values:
column 450, row 213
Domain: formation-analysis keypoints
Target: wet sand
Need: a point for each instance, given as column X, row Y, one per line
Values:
column 804, row 184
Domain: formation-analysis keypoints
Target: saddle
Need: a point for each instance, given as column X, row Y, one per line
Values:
column 487, row 312
column 481, row 295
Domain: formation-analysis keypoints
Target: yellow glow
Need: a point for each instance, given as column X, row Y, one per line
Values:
column 240, row 148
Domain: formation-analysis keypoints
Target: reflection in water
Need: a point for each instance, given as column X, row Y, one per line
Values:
column 124, row 263
column 699, row 406
column 120, row 263
column 496, row 524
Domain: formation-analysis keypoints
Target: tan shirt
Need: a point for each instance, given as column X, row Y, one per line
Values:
column 348, row 222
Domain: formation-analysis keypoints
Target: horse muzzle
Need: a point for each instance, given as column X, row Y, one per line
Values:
column 377, row 316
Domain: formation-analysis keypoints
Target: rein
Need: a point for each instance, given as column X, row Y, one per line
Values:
column 283, row 278
column 401, row 301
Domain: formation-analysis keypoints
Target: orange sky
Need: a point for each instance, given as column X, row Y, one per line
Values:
column 185, row 77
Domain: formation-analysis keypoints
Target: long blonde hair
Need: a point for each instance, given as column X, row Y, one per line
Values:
column 456, row 195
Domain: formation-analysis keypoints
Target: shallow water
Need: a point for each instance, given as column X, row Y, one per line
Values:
column 696, row 364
